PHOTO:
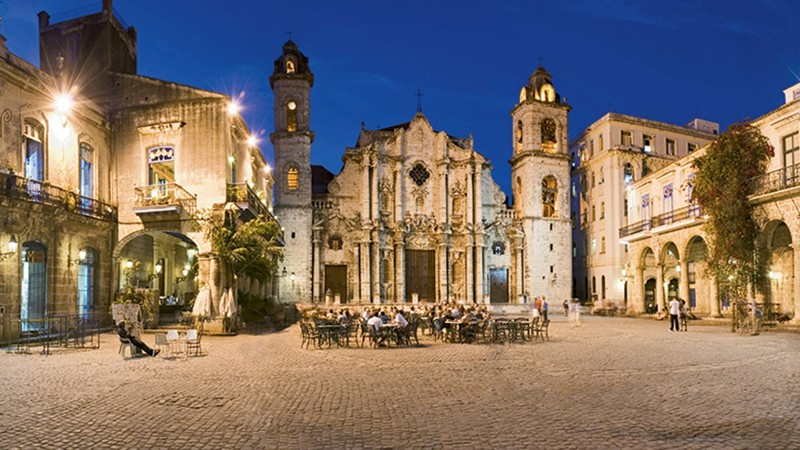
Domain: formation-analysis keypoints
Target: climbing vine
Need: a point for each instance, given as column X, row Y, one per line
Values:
column 721, row 187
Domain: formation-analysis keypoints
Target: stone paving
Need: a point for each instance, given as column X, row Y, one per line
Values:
column 610, row 383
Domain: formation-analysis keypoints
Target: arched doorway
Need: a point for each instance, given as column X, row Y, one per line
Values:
column 780, row 267
column 650, row 306
column 699, row 289
column 33, row 307
column 649, row 266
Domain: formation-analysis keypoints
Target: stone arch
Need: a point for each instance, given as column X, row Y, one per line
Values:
column 549, row 134
column 776, row 242
column 549, row 196
column 669, row 254
column 700, row 292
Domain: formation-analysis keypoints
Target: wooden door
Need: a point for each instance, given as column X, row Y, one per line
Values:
column 421, row 275
column 336, row 281
column 498, row 285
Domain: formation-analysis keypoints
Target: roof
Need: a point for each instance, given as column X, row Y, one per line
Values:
column 320, row 177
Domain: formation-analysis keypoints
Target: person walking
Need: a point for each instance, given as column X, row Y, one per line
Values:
column 544, row 308
column 674, row 312
column 684, row 316
column 566, row 308
column 575, row 310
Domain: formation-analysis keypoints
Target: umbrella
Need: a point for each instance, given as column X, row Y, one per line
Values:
column 202, row 304
column 227, row 304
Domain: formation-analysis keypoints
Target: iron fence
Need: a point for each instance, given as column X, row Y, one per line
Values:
column 67, row 331
column 776, row 180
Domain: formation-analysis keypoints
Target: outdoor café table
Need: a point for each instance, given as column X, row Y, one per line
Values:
column 454, row 330
column 329, row 333
column 389, row 331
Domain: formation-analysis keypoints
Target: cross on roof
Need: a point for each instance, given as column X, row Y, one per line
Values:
column 290, row 34
column 419, row 95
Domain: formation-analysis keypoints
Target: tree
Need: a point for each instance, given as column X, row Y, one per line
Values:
column 721, row 187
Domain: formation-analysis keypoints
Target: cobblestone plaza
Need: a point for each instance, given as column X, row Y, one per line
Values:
column 611, row 383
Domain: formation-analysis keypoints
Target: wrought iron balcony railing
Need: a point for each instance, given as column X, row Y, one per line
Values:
column 776, row 180
column 163, row 197
column 676, row 216
column 243, row 193
column 14, row 186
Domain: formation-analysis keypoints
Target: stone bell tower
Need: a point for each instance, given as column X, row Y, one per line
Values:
column 540, row 186
column 291, row 83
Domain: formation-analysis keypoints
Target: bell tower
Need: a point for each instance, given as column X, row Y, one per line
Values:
column 291, row 83
column 540, row 189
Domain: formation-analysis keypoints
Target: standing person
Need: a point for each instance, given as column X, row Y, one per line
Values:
column 566, row 308
column 544, row 307
column 674, row 312
column 684, row 316
column 575, row 310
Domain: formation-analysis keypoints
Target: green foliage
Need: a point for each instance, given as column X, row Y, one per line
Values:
column 130, row 294
column 248, row 249
column 721, row 189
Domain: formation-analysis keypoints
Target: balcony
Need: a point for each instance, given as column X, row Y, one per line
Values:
column 676, row 217
column 778, row 180
column 246, row 198
column 16, row 187
column 166, row 198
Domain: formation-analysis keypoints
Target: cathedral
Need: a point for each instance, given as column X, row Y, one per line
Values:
column 414, row 215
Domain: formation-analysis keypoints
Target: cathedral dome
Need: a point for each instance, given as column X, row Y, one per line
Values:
column 539, row 87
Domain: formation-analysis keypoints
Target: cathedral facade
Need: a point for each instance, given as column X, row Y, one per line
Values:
column 414, row 215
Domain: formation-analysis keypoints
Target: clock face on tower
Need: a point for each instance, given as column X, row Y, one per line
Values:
column 292, row 105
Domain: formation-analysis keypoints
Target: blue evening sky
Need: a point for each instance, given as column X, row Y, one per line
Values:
column 664, row 60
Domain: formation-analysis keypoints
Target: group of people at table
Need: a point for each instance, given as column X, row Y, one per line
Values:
column 451, row 321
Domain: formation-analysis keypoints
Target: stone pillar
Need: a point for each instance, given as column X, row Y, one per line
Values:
column 637, row 301
column 520, row 274
column 479, row 271
column 683, row 287
column 793, row 280
column 660, row 286
column 713, row 293
column 363, row 274
column 399, row 272
column 374, row 272
column 468, row 280
column 316, row 271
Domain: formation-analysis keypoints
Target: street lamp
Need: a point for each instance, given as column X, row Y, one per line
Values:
column 12, row 248
column 81, row 257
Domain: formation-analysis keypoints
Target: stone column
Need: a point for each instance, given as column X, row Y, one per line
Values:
column 660, row 286
column 374, row 272
column 713, row 293
column 316, row 272
column 793, row 280
column 399, row 272
column 637, row 300
column 479, row 270
column 468, row 267
column 683, row 288
column 520, row 274
column 363, row 281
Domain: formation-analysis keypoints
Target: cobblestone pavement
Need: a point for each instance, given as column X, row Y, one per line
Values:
column 610, row 383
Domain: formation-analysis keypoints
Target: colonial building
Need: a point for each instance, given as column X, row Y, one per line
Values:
column 414, row 214
column 608, row 157
column 109, row 167
column 667, row 244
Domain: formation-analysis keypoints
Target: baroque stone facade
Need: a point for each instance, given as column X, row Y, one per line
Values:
column 414, row 214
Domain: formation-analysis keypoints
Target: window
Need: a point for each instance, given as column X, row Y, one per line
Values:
column 646, row 207
column 549, row 194
column 291, row 116
column 691, row 147
column 87, row 263
column 591, row 148
column 627, row 173
column 34, row 285
column 600, row 145
column 161, row 165
column 625, row 208
column 594, row 285
column 290, row 66
column 602, row 210
column 602, row 176
column 670, row 147
column 335, row 243
column 626, row 138
column 548, row 135
column 603, row 286
column 602, row 246
column 594, row 246
column 86, row 183
column 420, row 174
column 593, row 179
column 791, row 156
column 647, row 143
column 34, row 151
column 594, row 216
column 498, row 248
column 668, row 203
column 292, row 176
column 518, row 134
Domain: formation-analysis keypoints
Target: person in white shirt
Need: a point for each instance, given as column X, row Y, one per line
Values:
column 375, row 322
column 674, row 312
column 400, row 320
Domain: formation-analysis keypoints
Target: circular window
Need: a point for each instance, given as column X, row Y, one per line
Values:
column 292, row 105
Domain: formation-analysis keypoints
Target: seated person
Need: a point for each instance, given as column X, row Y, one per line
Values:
column 400, row 320
column 375, row 322
column 123, row 333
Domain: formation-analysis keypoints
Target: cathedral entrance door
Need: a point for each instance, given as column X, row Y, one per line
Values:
column 421, row 275
column 336, row 282
column 498, row 285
